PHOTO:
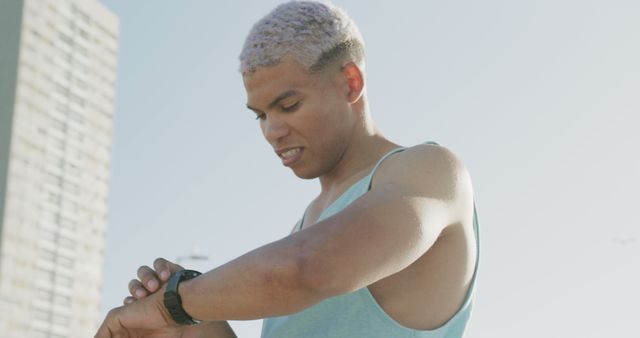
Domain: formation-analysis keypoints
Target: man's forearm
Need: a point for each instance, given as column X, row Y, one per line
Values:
column 218, row 329
column 263, row 283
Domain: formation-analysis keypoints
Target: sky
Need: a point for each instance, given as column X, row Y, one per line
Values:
column 540, row 99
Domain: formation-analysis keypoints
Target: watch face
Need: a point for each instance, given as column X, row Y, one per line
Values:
column 189, row 274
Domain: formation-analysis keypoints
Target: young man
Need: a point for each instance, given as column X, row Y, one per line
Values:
column 388, row 248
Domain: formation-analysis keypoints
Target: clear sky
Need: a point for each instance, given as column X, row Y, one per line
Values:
column 539, row 98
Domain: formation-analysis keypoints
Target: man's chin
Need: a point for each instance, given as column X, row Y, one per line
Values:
column 303, row 174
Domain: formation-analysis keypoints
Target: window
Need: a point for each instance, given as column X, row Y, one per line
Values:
column 66, row 262
column 77, row 117
column 76, row 135
column 77, row 99
column 57, row 143
column 67, row 243
column 62, row 90
column 66, row 223
column 61, row 320
column 61, row 300
column 65, row 38
column 62, row 108
column 64, row 281
column 82, row 15
column 48, row 235
column 84, row 34
column 80, row 83
column 45, row 295
column 44, row 275
column 41, row 315
column 58, row 125
column 55, row 198
column 71, row 187
column 54, row 179
column 82, row 51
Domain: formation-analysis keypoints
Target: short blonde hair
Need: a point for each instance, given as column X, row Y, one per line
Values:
column 315, row 33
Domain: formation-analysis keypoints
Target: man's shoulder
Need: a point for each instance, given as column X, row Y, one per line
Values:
column 427, row 153
column 421, row 161
column 427, row 170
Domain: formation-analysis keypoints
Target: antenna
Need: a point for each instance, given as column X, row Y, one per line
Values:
column 195, row 255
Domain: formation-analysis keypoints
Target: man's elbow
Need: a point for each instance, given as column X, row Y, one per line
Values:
column 316, row 278
column 293, row 285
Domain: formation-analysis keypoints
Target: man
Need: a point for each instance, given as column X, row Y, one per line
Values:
column 388, row 248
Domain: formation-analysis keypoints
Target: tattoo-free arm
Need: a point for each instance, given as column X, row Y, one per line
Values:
column 414, row 198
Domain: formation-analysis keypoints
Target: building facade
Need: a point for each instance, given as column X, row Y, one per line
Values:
column 58, row 61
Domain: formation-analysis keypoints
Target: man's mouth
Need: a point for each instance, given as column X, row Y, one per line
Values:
column 290, row 156
column 290, row 153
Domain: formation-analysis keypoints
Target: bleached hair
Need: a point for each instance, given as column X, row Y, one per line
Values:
column 315, row 33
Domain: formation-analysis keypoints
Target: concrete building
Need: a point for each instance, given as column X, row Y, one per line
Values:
column 58, row 63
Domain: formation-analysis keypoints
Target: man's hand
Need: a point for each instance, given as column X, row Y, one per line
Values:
column 150, row 280
column 144, row 318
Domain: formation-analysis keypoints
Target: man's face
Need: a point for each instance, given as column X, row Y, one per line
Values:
column 305, row 118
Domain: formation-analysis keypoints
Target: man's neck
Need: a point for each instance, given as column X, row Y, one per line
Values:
column 360, row 156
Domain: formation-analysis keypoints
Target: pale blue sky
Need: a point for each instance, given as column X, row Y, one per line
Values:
column 539, row 98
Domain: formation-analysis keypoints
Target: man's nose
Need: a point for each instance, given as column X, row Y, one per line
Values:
column 274, row 129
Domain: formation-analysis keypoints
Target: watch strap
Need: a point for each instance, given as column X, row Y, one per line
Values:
column 172, row 300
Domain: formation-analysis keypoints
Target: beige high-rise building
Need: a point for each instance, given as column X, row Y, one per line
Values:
column 58, row 63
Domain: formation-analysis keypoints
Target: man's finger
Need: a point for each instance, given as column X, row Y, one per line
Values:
column 165, row 269
column 128, row 300
column 104, row 331
column 137, row 290
column 148, row 278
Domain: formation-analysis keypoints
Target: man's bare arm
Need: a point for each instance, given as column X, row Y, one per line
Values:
column 220, row 329
column 414, row 198
column 380, row 233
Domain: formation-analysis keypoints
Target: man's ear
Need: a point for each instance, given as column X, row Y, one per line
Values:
column 355, row 81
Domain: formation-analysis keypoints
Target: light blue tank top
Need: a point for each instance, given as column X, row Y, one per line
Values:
column 357, row 314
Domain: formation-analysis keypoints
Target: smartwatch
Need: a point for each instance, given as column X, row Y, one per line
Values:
column 172, row 300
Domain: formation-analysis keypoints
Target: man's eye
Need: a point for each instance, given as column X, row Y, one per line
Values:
column 291, row 107
column 260, row 117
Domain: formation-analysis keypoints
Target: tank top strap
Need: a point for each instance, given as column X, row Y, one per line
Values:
column 365, row 181
column 393, row 151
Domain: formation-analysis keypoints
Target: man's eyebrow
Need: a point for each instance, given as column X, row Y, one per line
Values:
column 277, row 100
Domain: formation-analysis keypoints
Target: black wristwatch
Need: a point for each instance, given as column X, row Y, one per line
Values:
column 172, row 300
